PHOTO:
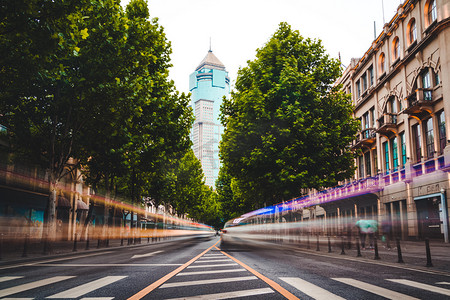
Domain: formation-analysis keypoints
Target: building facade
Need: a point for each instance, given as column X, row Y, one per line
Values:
column 208, row 84
column 400, row 90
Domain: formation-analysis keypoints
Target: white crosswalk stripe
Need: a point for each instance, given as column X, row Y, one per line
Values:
column 87, row 287
column 213, row 260
column 310, row 289
column 32, row 285
column 212, row 266
column 207, row 281
column 422, row 286
column 386, row 293
column 7, row 278
column 211, row 272
column 229, row 295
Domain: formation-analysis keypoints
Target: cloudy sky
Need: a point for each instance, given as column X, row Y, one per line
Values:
column 238, row 27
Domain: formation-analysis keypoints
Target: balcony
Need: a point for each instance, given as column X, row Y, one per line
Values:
column 365, row 138
column 420, row 103
column 388, row 124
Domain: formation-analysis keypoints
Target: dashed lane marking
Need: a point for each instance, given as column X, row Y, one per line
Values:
column 146, row 254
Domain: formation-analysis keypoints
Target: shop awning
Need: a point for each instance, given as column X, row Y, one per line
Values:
column 63, row 202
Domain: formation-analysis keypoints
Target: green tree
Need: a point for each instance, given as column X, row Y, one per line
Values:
column 288, row 127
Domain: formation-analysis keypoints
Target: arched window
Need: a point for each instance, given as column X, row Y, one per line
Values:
column 412, row 31
column 430, row 12
column 382, row 63
column 395, row 49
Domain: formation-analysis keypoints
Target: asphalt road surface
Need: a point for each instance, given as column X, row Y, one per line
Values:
column 204, row 268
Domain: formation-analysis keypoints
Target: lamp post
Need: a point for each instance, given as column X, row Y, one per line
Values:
column 444, row 215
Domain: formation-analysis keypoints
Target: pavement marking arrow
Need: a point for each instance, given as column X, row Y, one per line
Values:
column 146, row 254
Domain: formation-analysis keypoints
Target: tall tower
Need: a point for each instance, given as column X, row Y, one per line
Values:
column 208, row 84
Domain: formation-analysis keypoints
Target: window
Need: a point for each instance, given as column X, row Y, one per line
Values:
column 417, row 143
column 394, row 153
column 426, row 84
column 364, row 82
column 370, row 73
column 361, row 167
column 429, row 137
column 372, row 114
column 403, row 148
column 386, row 156
column 395, row 49
column 431, row 14
column 442, row 134
column 436, row 79
column 367, row 161
column 412, row 31
column 358, row 89
column 366, row 120
column 382, row 63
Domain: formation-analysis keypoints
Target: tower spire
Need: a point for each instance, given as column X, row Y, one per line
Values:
column 210, row 44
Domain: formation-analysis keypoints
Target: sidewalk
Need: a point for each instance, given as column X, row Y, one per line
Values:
column 21, row 251
column 413, row 253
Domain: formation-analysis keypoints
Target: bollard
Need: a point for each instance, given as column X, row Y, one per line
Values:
column 148, row 239
column 317, row 248
column 427, row 246
column 121, row 241
column 46, row 245
column 98, row 243
column 329, row 245
column 75, row 243
column 87, row 242
column 358, row 248
column 375, row 242
column 342, row 245
column 1, row 245
column 399, row 252
column 25, row 246
column 307, row 242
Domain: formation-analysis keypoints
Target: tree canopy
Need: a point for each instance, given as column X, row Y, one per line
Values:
column 287, row 126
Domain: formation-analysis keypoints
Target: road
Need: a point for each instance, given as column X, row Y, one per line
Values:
column 206, row 269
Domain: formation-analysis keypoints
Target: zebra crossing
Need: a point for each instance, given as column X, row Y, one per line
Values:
column 216, row 276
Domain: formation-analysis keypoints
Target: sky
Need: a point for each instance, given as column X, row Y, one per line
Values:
column 235, row 29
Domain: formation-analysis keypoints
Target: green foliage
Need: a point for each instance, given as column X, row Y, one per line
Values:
column 288, row 127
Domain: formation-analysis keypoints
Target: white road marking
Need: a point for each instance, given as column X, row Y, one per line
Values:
column 228, row 295
column 146, row 254
column 386, row 293
column 443, row 282
column 310, row 289
column 83, row 289
column 109, row 265
column 206, row 256
column 212, row 266
column 97, row 298
column 423, row 286
column 38, row 264
column 207, row 281
column 32, row 285
column 7, row 278
column 211, row 272
column 212, row 260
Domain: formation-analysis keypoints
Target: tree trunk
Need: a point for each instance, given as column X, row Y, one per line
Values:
column 51, row 214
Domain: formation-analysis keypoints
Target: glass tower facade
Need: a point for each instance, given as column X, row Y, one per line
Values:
column 208, row 84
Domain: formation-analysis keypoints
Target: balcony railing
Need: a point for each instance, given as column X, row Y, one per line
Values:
column 419, row 101
column 387, row 123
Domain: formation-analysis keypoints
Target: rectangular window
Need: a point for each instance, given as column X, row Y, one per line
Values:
column 386, row 156
column 442, row 133
column 372, row 115
column 361, row 167
column 370, row 72
column 368, row 165
column 429, row 136
column 403, row 148
column 394, row 153
column 364, row 82
column 417, row 143
column 358, row 89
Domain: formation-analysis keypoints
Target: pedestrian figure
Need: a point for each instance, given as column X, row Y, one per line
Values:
column 367, row 227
